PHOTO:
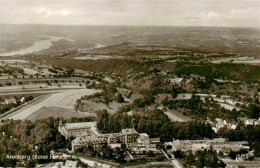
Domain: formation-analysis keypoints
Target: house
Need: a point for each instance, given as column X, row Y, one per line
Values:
column 70, row 164
column 220, row 123
column 233, row 126
column 247, row 121
column 10, row 100
column 176, row 80
column 257, row 122
column 22, row 99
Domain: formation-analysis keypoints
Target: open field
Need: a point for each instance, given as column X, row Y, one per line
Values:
column 56, row 112
column 223, row 101
column 239, row 60
column 176, row 116
column 65, row 99
column 90, row 106
column 97, row 57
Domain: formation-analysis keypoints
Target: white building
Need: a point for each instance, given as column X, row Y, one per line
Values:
column 10, row 100
column 76, row 129
column 218, row 144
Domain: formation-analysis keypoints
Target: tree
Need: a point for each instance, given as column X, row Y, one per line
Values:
column 178, row 154
column 174, row 92
column 120, row 98
column 253, row 111
column 232, row 155
column 30, row 163
column 150, row 153
column 60, row 141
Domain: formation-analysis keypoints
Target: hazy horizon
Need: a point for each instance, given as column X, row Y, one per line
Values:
column 74, row 25
column 188, row 13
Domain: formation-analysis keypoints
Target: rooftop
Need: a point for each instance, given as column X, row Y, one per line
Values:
column 70, row 164
column 80, row 125
column 143, row 136
column 129, row 131
column 89, row 139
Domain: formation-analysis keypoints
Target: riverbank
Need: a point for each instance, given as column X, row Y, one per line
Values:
column 36, row 46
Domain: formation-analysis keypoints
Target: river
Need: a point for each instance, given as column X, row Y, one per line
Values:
column 36, row 46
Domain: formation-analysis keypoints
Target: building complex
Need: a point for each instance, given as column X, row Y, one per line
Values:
column 86, row 134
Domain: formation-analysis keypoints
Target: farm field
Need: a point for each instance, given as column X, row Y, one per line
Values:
column 239, row 60
column 56, row 112
column 65, row 100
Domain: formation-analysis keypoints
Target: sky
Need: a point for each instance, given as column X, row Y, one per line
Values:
column 224, row 13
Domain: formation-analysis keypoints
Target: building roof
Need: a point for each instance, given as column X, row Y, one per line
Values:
column 257, row 122
column 143, row 136
column 129, row 131
column 80, row 125
column 154, row 140
column 10, row 100
column 199, row 147
column 90, row 138
column 176, row 145
column 113, row 135
column 215, row 140
column 70, row 164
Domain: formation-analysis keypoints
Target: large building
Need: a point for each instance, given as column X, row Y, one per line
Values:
column 218, row 144
column 126, row 136
column 89, row 139
column 86, row 134
column 76, row 129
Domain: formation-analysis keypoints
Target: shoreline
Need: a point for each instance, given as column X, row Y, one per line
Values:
column 37, row 46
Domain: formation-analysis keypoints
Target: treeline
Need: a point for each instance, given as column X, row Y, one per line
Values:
column 206, row 158
column 104, row 152
column 10, row 70
column 120, row 66
column 154, row 123
column 248, row 73
column 22, row 137
column 209, row 108
column 18, row 136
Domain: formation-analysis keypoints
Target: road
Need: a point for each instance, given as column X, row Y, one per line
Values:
column 8, row 91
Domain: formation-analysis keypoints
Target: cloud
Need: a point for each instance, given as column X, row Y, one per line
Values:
column 253, row 13
column 234, row 14
column 204, row 16
column 48, row 12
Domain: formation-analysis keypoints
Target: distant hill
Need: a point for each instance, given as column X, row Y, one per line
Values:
column 243, row 41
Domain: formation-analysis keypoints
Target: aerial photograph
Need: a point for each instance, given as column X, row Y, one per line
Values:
column 130, row 83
